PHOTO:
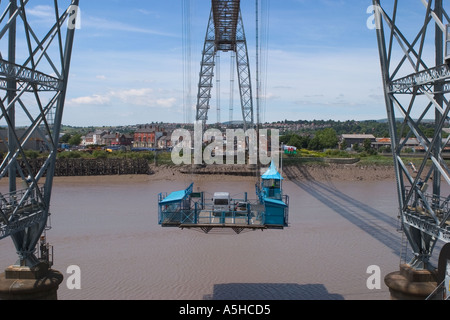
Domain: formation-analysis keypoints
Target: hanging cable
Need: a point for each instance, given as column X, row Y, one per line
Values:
column 187, row 66
column 264, row 53
column 187, row 60
column 258, row 122
column 258, row 93
column 218, row 85
column 232, row 65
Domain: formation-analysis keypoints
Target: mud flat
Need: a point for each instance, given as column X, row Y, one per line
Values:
column 318, row 172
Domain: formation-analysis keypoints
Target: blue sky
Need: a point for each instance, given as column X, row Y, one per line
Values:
column 127, row 63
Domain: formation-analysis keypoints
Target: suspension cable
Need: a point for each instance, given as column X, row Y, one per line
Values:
column 258, row 93
column 264, row 52
column 187, row 60
column 232, row 65
column 218, row 86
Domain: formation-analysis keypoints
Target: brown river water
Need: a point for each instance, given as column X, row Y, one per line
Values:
column 110, row 230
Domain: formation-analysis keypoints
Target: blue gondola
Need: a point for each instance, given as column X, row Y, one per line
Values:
column 186, row 209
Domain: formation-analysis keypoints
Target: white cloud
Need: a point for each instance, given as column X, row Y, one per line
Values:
column 90, row 100
column 41, row 11
column 166, row 103
column 111, row 25
column 142, row 97
column 131, row 97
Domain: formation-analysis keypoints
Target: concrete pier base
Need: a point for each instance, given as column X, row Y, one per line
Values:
column 24, row 283
column 411, row 284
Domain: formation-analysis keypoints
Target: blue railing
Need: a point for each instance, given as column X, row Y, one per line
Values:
column 172, row 216
column 190, row 212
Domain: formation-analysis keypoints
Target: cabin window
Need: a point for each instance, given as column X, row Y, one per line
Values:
column 221, row 202
column 271, row 183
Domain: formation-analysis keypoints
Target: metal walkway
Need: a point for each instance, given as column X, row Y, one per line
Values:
column 20, row 210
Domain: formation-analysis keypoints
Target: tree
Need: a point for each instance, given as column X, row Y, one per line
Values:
column 295, row 141
column 65, row 138
column 357, row 147
column 314, row 144
column 75, row 140
column 343, row 145
column 327, row 138
column 284, row 139
column 367, row 145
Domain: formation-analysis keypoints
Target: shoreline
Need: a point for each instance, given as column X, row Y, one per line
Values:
column 304, row 172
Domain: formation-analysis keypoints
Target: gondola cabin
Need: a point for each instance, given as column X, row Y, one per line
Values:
column 271, row 195
column 275, row 213
column 175, row 208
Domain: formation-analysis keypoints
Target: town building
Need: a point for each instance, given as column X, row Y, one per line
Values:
column 117, row 139
column 105, row 138
column 146, row 136
column 35, row 142
column 93, row 138
column 353, row 139
column 164, row 142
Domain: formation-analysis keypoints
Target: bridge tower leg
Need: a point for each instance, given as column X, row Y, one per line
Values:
column 35, row 90
column 416, row 87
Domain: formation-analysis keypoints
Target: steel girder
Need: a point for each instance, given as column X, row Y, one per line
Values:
column 206, row 73
column 419, row 92
column 225, row 32
column 245, row 83
column 32, row 108
column 423, row 82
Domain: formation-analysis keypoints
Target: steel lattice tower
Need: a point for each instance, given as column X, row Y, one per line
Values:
column 34, row 71
column 225, row 32
column 416, row 81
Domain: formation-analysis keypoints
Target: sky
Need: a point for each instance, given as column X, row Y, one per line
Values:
column 321, row 61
